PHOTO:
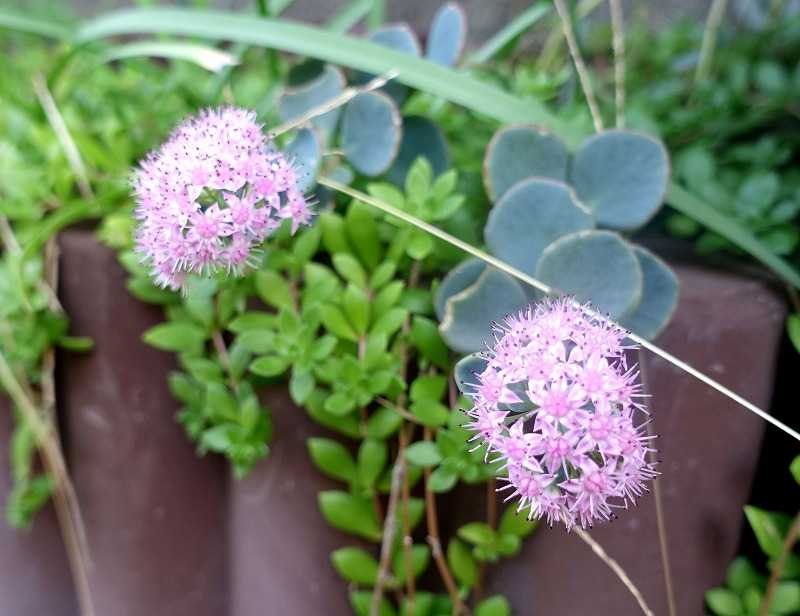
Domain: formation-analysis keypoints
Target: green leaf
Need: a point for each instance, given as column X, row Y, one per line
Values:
column 362, row 231
column 769, row 529
column 594, row 266
column 371, row 131
column 431, row 413
column 493, row 606
column 442, row 479
column 350, row 269
column 742, row 575
column 361, row 602
column 336, row 323
column 355, row 565
column 301, row 384
column 269, row 365
column 334, row 236
column 356, row 306
column 340, row 403
column 516, row 153
column 793, row 329
column 76, row 344
column 509, row 33
column 420, row 555
column 659, row 296
column 513, row 523
column 180, row 337
column 461, row 562
column 220, row 438
column 273, row 289
column 298, row 100
column 372, row 456
column 390, row 322
column 423, row 453
column 794, row 468
column 622, row 176
column 383, row 423
column 425, row 336
column 477, row 533
column 350, row 513
column 420, row 245
column 724, row 602
column 428, row 388
column 786, row 599
column 209, row 58
column 258, row 340
column 252, row 320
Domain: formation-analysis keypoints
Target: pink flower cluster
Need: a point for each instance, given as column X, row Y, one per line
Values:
column 557, row 404
column 211, row 194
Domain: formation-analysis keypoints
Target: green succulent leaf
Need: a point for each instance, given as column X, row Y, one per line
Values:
column 659, row 296
column 461, row 562
column 355, row 565
column 448, row 35
column 423, row 453
column 297, row 101
column 332, row 458
column 493, row 606
column 350, row 513
column 421, row 138
column 371, row 132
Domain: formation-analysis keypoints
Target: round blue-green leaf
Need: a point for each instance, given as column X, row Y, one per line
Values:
column 531, row 216
column 466, row 369
column 594, row 266
column 421, row 137
column 448, row 35
column 659, row 296
column 371, row 132
column 301, row 99
column 622, row 176
column 306, row 152
column 459, row 278
column 519, row 152
column 468, row 317
column 399, row 37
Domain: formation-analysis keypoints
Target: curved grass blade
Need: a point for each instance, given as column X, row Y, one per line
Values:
column 514, row 28
column 209, row 58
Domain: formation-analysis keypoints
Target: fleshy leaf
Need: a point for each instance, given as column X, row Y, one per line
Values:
column 466, row 369
column 531, row 216
column 399, row 37
column 421, row 137
column 299, row 100
column 448, row 35
column 468, row 318
column 371, row 132
column 659, row 296
column 459, row 278
column 519, row 152
column 622, row 176
column 306, row 152
column 594, row 266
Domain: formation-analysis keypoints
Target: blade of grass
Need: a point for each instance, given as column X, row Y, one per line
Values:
column 33, row 25
column 209, row 58
column 349, row 15
column 514, row 28
column 416, row 72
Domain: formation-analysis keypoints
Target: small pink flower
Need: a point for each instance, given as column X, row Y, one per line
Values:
column 570, row 443
column 211, row 194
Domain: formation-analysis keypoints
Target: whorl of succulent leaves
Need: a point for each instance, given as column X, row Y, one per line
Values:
column 211, row 194
column 558, row 405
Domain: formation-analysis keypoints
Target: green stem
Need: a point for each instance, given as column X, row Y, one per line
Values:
column 537, row 284
column 777, row 570
column 715, row 15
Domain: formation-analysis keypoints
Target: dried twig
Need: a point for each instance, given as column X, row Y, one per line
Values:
column 777, row 569
column 580, row 66
column 615, row 567
column 618, row 43
column 389, row 529
column 715, row 15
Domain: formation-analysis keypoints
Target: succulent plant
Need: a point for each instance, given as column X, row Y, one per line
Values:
column 373, row 136
column 548, row 205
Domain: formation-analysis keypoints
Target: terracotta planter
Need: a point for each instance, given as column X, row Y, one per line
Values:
column 171, row 534
column 154, row 511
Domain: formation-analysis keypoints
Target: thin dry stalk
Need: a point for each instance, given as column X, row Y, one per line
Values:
column 389, row 529
column 530, row 280
column 616, row 568
column 580, row 66
column 661, row 521
column 618, row 43
column 342, row 99
column 713, row 22
column 59, row 127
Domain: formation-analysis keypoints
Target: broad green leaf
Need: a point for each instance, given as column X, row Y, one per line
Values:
column 355, row 565
column 493, row 606
column 350, row 513
column 182, row 337
column 372, row 456
column 423, row 453
column 724, row 602
column 461, row 562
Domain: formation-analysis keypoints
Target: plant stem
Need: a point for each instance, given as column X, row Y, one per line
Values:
column 389, row 529
column 432, row 521
column 580, row 67
column 263, row 9
column 408, row 542
column 618, row 42
column 491, row 522
column 64, row 498
column 777, row 569
column 663, row 543
column 616, row 568
column 225, row 359
column 530, row 280
column 715, row 15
